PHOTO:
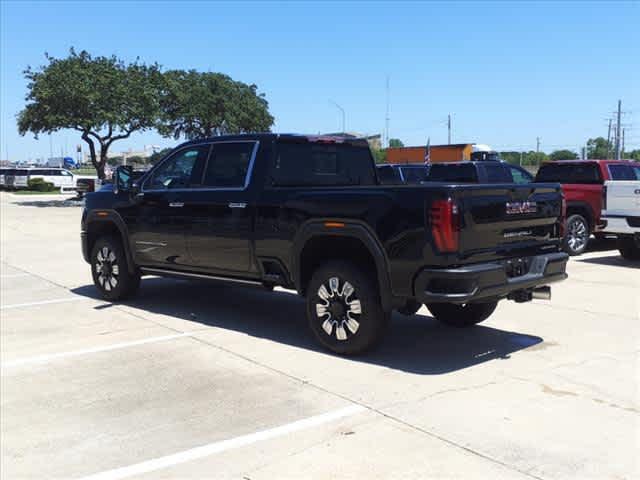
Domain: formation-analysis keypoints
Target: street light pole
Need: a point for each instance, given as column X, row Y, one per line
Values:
column 343, row 114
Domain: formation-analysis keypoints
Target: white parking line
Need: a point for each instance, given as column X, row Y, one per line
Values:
column 75, row 353
column 14, row 275
column 45, row 302
column 224, row 445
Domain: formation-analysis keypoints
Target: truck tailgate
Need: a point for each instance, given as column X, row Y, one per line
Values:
column 503, row 221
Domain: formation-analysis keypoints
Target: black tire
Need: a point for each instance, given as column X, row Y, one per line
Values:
column 577, row 237
column 332, row 311
column 629, row 247
column 462, row 315
column 110, row 271
column 410, row 308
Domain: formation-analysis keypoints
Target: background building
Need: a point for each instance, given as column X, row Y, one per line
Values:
column 439, row 153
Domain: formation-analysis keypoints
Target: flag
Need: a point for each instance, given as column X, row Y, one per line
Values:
column 427, row 153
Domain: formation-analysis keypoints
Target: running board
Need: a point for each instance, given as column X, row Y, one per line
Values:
column 174, row 273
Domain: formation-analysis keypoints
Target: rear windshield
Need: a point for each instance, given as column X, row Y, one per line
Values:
column 624, row 172
column 316, row 164
column 497, row 173
column 584, row 173
column 414, row 175
column 453, row 172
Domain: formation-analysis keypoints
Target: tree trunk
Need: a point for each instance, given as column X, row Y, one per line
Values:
column 92, row 153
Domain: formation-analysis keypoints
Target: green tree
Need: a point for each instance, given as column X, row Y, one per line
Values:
column 563, row 155
column 534, row 158
column 380, row 155
column 395, row 143
column 200, row 105
column 101, row 97
column 632, row 155
column 598, row 148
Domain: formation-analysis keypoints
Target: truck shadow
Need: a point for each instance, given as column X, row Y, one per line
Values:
column 614, row 261
column 417, row 344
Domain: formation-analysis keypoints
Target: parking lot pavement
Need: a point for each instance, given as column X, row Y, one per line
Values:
column 193, row 380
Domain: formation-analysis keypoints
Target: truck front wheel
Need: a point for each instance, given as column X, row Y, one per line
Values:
column 462, row 315
column 344, row 309
column 110, row 271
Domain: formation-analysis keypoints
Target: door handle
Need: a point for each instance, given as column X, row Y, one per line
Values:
column 176, row 204
column 237, row 205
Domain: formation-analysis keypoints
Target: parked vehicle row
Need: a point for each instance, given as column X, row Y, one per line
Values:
column 311, row 214
column 60, row 178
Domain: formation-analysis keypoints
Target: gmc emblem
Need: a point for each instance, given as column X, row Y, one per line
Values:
column 515, row 208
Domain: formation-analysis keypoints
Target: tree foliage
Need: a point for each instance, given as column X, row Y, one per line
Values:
column 379, row 155
column 395, row 143
column 200, row 105
column 101, row 97
column 530, row 158
column 598, row 148
column 563, row 155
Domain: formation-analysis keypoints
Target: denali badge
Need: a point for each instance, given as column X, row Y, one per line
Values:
column 514, row 208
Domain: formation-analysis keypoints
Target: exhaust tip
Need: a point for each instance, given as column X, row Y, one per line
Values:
column 541, row 293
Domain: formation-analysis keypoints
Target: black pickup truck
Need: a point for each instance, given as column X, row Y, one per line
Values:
column 309, row 213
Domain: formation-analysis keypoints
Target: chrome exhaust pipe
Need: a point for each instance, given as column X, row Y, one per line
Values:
column 541, row 293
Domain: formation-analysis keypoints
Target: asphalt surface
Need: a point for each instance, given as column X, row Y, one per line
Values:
column 194, row 380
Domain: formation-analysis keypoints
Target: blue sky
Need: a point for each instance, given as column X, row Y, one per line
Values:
column 507, row 72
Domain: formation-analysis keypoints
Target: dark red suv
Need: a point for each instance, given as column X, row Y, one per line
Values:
column 582, row 183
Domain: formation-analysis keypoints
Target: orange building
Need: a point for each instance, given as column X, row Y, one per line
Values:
column 439, row 153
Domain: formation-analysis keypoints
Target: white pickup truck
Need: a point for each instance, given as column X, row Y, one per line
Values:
column 621, row 211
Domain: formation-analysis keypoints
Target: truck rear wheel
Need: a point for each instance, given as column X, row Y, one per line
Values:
column 344, row 308
column 577, row 236
column 629, row 247
column 110, row 271
column 462, row 315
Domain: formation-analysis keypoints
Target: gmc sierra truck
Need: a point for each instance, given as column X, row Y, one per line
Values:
column 309, row 213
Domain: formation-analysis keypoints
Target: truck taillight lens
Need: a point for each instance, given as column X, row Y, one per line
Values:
column 563, row 217
column 445, row 224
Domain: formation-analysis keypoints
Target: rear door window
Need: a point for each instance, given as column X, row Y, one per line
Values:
column 318, row 164
column 453, row 173
column 228, row 165
column 497, row 173
column 519, row 175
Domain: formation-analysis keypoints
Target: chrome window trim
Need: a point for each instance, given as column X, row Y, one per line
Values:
column 247, row 178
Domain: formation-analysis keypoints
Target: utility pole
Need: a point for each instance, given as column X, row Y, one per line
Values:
column 521, row 158
column 609, row 140
column 449, row 128
column 622, row 150
column 50, row 147
column 386, row 119
column 343, row 114
column 537, row 144
column 618, row 131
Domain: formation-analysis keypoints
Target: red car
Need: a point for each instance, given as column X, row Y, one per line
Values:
column 582, row 183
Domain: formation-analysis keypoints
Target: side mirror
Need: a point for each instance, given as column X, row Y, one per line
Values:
column 123, row 179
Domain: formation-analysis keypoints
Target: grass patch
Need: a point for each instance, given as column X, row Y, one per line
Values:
column 36, row 192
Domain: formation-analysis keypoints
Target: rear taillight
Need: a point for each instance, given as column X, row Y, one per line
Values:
column 604, row 197
column 444, row 217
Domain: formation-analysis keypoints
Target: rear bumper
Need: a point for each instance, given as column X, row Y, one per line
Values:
column 622, row 224
column 488, row 280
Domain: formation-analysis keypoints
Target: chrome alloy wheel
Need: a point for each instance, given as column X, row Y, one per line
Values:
column 107, row 268
column 577, row 235
column 339, row 310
